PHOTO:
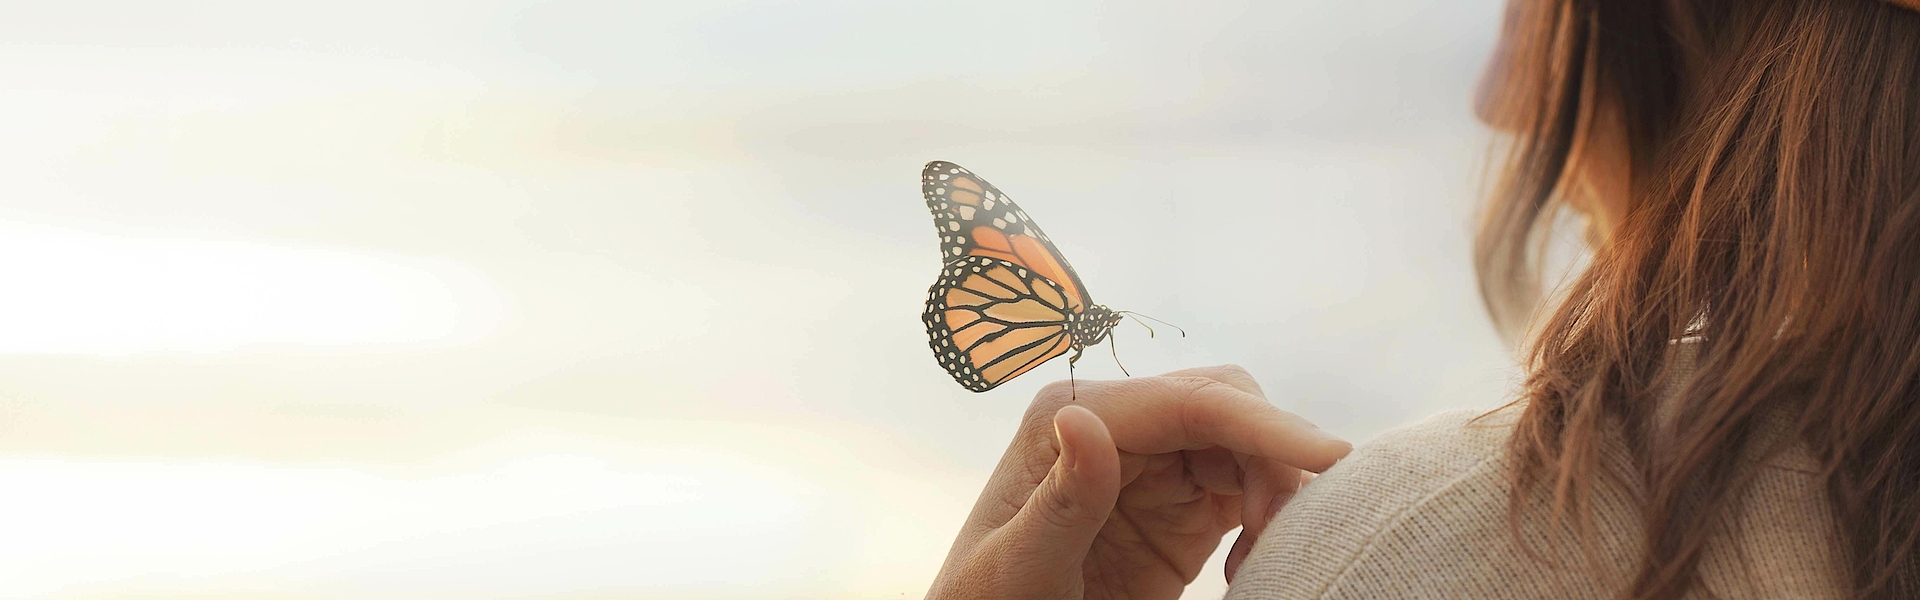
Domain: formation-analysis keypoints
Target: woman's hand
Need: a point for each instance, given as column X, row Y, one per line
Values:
column 1126, row 491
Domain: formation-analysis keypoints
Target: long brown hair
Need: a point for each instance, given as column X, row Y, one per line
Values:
column 1774, row 216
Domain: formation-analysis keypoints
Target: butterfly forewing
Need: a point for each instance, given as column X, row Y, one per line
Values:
column 976, row 219
column 989, row 320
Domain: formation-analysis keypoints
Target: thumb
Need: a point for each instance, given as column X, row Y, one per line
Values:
column 1057, row 525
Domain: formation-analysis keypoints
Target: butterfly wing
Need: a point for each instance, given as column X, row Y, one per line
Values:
column 990, row 319
column 976, row 219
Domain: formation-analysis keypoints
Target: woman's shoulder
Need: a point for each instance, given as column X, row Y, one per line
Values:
column 1438, row 449
column 1422, row 511
column 1409, row 465
column 1438, row 485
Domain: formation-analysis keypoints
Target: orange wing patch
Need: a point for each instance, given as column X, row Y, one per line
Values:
column 976, row 219
column 1015, row 360
column 966, row 191
column 1035, row 256
column 988, row 238
column 990, row 320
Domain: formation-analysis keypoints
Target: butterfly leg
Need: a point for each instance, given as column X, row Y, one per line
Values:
column 1113, row 345
column 1073, row 385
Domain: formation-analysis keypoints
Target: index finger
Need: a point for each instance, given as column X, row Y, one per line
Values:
column 1154, row 415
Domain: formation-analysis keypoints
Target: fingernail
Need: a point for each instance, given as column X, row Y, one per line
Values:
column 1329, row 437
column 1067, row 455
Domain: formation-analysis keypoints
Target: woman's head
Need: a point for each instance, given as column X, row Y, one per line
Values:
column 1751, row 169
column 1598, row 158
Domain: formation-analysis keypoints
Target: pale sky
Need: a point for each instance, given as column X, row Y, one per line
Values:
column 593, row 300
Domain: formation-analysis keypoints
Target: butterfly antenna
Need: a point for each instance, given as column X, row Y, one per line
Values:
column 1150, row 332
column 1113, row 344
column 1137, row 316
column 1073, row 385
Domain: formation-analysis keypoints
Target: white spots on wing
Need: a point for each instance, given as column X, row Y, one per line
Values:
column 1013, row 217
column 953, row 225
column 966, row 212
column 988, row 203
column 944, row 176
column 940, row 191
column 956, row 251
column 999, row 224
column 959, row 239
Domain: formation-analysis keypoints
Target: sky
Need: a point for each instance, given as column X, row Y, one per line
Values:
column 590, row 300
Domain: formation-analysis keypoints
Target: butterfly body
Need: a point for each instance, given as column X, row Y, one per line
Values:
column 1006, row 300
column 1090, row 327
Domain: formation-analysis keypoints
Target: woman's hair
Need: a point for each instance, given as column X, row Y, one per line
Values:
column 1774, row 217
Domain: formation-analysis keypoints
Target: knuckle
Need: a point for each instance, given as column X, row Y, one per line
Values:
column 1054, row 394
column 1049, row 399
column 1057, row 388
column 1215, row 390
column 1182, row 379
column 1241, row 378
column 1188, row 386
column 1142, row 392
column 1206, row 404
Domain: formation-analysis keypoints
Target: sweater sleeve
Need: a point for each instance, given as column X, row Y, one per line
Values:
column 1422, row 512
column 1326, row 542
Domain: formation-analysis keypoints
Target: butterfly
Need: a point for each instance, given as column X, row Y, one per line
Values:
column 1006, row 300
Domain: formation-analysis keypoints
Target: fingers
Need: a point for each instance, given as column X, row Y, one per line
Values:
column 1210, row 430
column 1153, row 415
column 1270, row 485
column 1215, row 469
column 1053, row 530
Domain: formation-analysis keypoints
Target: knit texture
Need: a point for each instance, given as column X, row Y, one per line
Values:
column 1421, row 512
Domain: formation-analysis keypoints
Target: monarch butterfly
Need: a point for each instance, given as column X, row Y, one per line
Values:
column 1006, row 300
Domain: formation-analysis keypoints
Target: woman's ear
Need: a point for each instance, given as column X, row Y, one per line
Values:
column 1603, row 170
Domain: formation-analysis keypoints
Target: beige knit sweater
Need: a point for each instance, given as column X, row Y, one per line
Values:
column 1422, row 513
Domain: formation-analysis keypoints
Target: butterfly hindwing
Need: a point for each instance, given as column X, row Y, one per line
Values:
column 990, row 319
column 976, row 219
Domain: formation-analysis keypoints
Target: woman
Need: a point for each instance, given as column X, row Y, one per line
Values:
column 1725, row 402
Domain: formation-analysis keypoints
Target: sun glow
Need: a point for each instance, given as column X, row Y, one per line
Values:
column 83, row 293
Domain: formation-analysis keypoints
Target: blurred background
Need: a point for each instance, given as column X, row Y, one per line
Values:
column 592, row 300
